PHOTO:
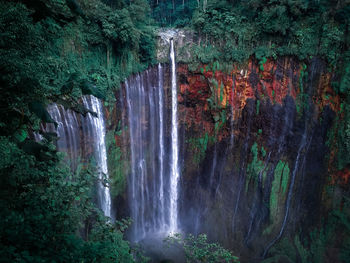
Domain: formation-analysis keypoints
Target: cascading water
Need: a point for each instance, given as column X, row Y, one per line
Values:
column 242, row 190
column 153, row 181
column 175, row 175
column 147, row 185
column 161, row 141
column 67, row 131
column 97, row 126
column 76, row 141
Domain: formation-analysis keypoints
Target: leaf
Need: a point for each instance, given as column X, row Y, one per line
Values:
column 21, row 135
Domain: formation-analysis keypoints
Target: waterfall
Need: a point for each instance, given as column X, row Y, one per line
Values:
column 175, row 175
column 154, row 173
column 79, row 137
column 161, row 141
column 97, row 126
column 67, row 132
column 147, row 195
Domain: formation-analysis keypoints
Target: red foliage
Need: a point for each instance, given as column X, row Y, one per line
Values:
column 341, row 177
column 272, row 82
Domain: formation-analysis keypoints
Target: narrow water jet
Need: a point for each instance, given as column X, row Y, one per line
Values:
column 303, row 149
column 175, row 175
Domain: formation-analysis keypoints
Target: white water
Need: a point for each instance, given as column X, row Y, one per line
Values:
column 67, row 132
column 145, row 102
column 75, row 140
column 99, row 131
column 161, row 142
column 175, row 175
column 154, row 174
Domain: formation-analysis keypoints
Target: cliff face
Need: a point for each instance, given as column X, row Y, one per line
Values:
column 209, row 91
column 254, row 150
column 256, row 159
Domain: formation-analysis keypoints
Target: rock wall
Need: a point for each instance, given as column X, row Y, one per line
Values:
column 255, row 156
column 255, row 152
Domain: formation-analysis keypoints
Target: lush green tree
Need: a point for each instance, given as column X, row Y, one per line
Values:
column 47, row 213
column 238, row 29
column 176, row 13
column 199, row 249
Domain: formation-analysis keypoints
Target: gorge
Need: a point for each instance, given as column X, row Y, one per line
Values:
column 243, row 144
column 246, row 141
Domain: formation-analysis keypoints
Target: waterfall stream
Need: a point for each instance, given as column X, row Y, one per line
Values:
column 154, row 176
column 80, row 137
column 161, row 141
column 147, row 185
column 67, row 131
column 97, row 125
column 175, row 175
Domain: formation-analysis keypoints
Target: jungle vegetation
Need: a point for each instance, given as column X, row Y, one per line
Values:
column 56, row 51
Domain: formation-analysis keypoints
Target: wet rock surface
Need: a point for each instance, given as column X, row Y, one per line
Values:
column 253, row 152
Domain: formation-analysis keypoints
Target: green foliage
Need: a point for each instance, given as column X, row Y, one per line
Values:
column 205, row 54
column 116, row 165
column 271, row 28
column 282, row 252
column 278, row 190
column 345, row 253
column 312, row 250
column 326, row 242
column 331, row 41
column 44, row 205
column 58, row 50
column 302, row 99
column 175, row 13
column 339, row 136
column 345, row 80
column 199, row 146
column 199, row 249
column 220, row 119
column 70, row 58
column 301, row 250
column 274, row 19
column 257, row 168
column 257, row 107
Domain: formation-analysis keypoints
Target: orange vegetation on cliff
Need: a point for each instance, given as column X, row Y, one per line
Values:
column 273, row 81
column 235, row 88
column 209, row 90
column 326, row 95
column 341, row 177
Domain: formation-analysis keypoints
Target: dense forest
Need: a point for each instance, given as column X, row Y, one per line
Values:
column 57, row 51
